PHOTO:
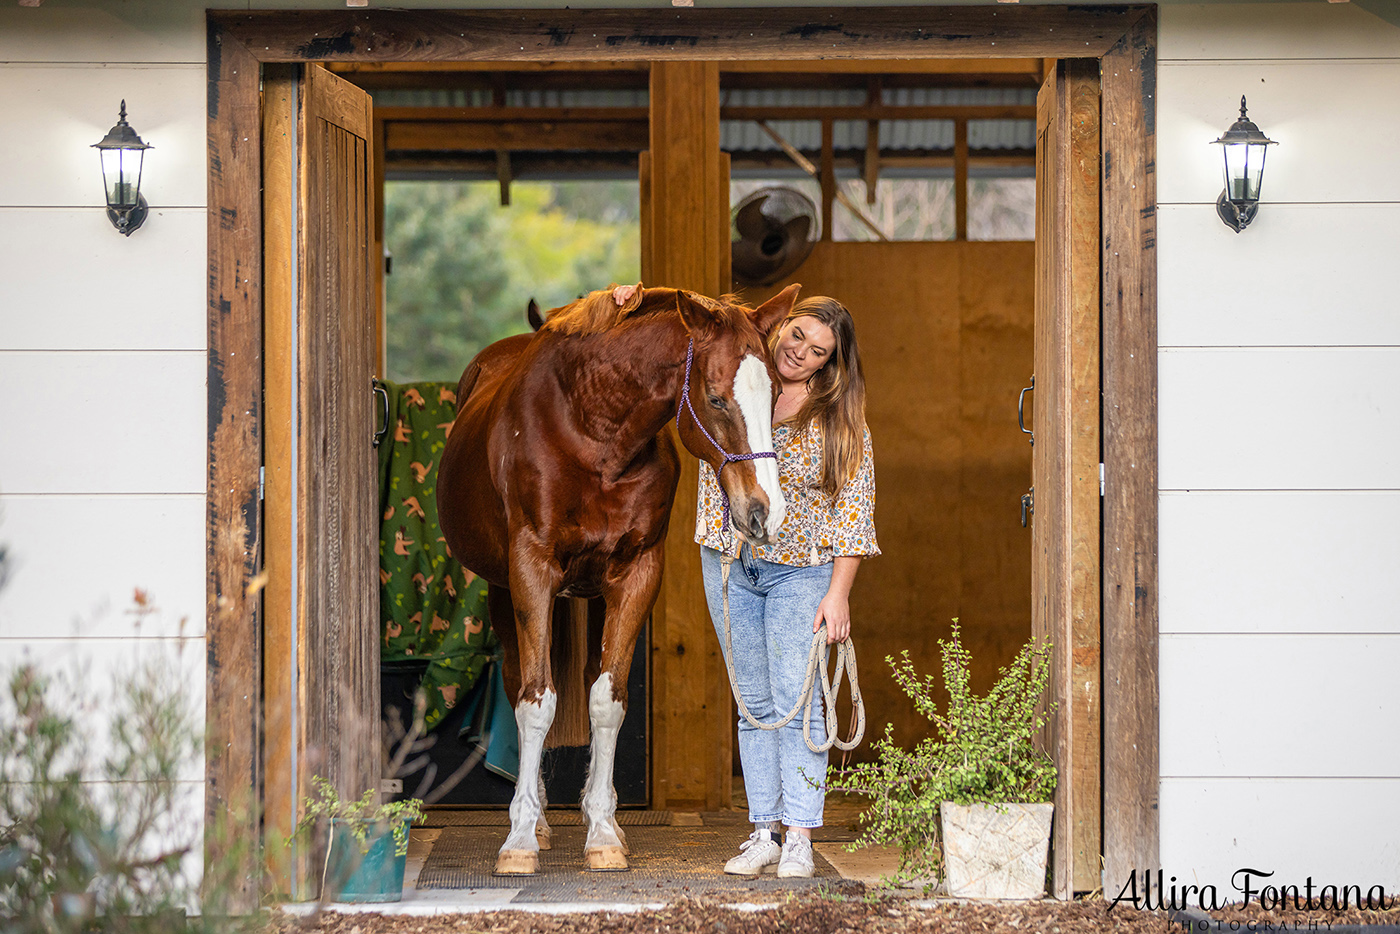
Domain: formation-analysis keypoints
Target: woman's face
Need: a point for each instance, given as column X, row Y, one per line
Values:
column 804, row 345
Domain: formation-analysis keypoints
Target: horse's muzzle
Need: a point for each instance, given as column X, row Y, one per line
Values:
column 758, row 524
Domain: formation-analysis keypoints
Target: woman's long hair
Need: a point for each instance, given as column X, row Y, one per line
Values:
column 835, row 393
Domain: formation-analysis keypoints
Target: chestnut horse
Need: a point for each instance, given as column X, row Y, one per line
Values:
column 557, row 480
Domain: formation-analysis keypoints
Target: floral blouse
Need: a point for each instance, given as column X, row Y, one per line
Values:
column 816, row 528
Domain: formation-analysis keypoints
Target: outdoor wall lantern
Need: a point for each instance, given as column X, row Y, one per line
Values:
column 1244, row 147
column 122, row 153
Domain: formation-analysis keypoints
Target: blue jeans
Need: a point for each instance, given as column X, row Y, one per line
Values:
column 771, row 608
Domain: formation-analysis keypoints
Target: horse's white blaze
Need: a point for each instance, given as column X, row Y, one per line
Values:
column 532, row 720
column 599, row 795
column 753, row 390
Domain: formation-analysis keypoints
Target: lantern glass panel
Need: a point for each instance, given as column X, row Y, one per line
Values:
column 1244, row 170
column 121, row 173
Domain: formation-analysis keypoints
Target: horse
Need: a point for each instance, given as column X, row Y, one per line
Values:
column 557, row 480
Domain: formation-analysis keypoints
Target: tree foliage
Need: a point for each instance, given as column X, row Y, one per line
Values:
column 464, row 267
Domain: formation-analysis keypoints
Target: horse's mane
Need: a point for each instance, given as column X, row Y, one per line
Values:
column 597, row 311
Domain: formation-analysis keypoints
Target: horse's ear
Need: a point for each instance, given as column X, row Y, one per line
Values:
column 532, row 314
column 772, row 312
column 697, row 312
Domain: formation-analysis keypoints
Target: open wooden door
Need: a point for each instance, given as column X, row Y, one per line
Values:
column 339, row 557
column 321, row 646
column 1065, row 464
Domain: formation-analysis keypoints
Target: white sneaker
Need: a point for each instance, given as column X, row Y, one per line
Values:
column 796, row 859
column 758, row 851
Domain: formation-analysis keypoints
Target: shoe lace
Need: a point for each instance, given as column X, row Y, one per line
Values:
column 755, row 837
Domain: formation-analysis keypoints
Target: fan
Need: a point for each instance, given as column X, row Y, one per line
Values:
column 773, row 232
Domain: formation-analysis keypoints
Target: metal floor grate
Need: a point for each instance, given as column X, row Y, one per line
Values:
column 666, row 863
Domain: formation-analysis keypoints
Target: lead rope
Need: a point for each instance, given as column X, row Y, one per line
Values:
column 845, row 667
column 845, row 649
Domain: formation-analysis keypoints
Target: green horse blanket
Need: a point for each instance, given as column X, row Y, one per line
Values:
column 431, row 608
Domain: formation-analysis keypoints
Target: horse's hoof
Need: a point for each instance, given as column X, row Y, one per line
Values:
column 544, row 837
column 517, row 863
column 605, row 859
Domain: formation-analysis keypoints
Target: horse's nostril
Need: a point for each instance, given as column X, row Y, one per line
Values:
column 758, row 517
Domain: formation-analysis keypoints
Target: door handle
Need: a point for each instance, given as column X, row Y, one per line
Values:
column 1021, row 411
column 382, row 392
column 1027, row 506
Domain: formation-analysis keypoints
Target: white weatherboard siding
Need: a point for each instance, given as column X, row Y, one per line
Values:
column 1279, row 462
column 103, row 362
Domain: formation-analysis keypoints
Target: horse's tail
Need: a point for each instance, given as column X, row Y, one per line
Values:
column 568, row 657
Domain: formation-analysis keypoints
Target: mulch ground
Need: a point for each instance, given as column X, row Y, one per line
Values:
column 818, row 914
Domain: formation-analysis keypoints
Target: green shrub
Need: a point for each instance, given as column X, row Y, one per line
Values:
column 360, row 815
column 982, row 751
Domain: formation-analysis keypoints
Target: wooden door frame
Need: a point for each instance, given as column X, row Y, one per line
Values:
column 1124, row 39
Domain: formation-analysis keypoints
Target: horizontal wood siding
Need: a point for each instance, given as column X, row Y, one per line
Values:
column 1280, row 466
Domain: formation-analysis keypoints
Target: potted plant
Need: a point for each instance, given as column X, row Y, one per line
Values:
column 980, row 771
column 366, row 844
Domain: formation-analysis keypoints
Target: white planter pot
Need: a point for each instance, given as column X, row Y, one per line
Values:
column 996, row 852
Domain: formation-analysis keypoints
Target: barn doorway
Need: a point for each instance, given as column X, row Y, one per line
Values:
column 1123, row 42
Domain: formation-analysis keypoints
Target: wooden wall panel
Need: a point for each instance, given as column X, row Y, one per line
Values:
column 1341, row 685
column 1280, row 419
column 1218, row 825
column 60, row 111
column 111, row 390
column 1307, row 106
column 160, row 269
column 1282, row 561
column 945, row 334
column 150, row 541
column 1226, row 31
column 1350, row 301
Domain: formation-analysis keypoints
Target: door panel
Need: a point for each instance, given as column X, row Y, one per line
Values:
column 338, row 528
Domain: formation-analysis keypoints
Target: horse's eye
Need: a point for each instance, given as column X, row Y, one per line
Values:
column 717, row 402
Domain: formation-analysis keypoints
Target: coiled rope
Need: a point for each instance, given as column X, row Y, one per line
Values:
column 845, row 667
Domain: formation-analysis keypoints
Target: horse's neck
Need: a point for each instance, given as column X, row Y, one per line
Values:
column 623, row 384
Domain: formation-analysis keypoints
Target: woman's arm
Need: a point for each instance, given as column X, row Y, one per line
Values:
column 835, row 608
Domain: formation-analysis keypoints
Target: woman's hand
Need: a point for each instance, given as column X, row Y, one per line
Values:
column 835, row 611
column 835, row 608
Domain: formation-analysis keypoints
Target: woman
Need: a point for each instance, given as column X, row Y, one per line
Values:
column 780, row 593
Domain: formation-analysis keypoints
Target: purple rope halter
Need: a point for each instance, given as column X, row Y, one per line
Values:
column 728, row 458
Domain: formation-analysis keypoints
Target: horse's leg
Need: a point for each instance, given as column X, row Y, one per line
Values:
column 544, row 834
column 534, row 711
column 629, row 600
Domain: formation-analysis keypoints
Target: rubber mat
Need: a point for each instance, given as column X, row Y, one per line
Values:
column 564, row 817
column 666, row 863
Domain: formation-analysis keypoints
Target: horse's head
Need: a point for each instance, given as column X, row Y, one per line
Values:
column 732, row 390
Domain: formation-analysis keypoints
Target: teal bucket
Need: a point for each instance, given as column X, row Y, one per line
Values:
column 355, row 875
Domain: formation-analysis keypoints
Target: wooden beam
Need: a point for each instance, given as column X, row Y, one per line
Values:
column 280, row 805
column 599, row 137
column 874, row 97
column 1130, row 713
column 233, row 778
column 688, row 221
column 502, row 114
column 875, row 111
column 503, row 175
column 895, row 33
column 920, row 66
column 827, row 178
column 882, row 112
column 960, row 179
